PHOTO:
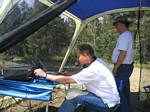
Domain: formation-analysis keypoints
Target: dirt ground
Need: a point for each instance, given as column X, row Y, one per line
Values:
column 58, row 97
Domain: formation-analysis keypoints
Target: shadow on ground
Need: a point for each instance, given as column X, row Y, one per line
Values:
column 137, row 105
column 50, row 108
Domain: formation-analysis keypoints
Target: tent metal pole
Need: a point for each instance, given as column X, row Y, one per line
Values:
column 79, row 26
column 140, row 49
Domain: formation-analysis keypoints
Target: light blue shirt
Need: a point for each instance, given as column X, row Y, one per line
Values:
column 125, row 43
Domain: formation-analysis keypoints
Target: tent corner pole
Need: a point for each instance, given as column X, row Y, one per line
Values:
column 79, row 27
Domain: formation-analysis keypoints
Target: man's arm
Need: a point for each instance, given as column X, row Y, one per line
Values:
column 120, row 60
column 58, row 78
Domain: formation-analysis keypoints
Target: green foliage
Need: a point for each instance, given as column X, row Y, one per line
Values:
column 101, row 35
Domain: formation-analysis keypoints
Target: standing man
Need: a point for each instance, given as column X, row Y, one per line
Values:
column 97, row 78
column 122, row 59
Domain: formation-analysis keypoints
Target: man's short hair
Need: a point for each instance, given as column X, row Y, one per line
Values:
column 86, row 48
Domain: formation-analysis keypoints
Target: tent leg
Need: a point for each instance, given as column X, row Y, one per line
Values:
column 46, row 108
column 79, row 27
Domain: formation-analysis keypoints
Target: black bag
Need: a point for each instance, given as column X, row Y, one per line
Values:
column 18, row 73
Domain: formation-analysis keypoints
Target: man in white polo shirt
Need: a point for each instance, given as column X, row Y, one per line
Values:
column 122, row 59
column 97, row 78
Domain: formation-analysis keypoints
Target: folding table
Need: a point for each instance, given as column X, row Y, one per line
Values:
column 37, row 89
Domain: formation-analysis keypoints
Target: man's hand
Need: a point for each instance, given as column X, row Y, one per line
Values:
column 120, row 60
column 39, row 72
column 114, row 71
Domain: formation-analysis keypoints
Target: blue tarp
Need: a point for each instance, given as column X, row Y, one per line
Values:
column 39, row 89
column 85, row 9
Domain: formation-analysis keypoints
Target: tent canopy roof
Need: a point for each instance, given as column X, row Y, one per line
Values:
column 84, row 9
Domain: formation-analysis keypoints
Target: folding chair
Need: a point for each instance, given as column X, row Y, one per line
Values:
column 93, row 108
column 147, row 91
column 116, row 108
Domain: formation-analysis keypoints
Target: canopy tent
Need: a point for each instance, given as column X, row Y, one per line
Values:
column 85, row 11
column 82, row 12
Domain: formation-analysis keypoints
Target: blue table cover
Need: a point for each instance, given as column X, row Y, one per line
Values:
column 38, row 89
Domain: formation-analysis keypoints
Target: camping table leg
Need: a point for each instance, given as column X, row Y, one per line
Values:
column 29, row 106
column 46, row 110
